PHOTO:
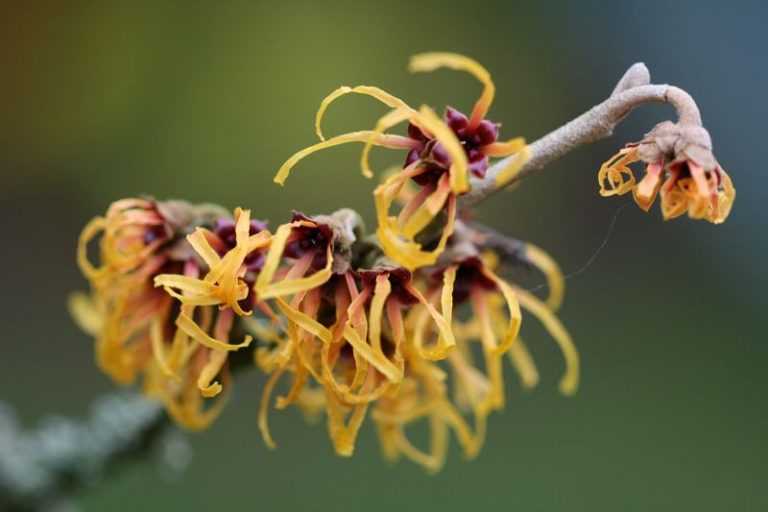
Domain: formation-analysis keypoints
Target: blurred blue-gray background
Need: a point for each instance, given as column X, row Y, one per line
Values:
column 204, row 100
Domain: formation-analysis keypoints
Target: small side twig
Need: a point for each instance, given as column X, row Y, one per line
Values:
column 632, row 91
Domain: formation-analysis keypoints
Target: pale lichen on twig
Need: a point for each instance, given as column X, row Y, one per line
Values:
column 38, row 467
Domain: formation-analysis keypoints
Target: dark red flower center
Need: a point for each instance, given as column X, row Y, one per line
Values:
column 436, row 157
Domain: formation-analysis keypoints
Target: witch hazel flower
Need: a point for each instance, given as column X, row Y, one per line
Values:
column 680, row 168
column 172, row 279
column 135, row 240
column 442, row 155
column 347, row 337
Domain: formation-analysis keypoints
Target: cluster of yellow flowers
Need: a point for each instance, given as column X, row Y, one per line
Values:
column 402, row 323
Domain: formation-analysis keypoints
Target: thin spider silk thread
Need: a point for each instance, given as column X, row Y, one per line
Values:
column 591, row 260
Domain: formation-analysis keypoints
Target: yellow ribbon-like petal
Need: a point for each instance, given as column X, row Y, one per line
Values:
column 387, row 141
column 427, row 62
column 387, row 121
column 615, row 177
column 379, row 94
column 511, row 170
column 93, row 228
column 216, row 360
column 405, row 252
column 186, row 324
column 442, row 321
column 304, row 321
column 507, row 148
column 551, row 270
column 86, row 312
column 513, row 307
column 199, row 243
column 523, row 362
column 343, row 433
column 266, row 289
column 570, row 380
column 262, row 421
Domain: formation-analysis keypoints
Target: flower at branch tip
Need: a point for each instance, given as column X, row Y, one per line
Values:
column 680, row 167
column 442, row 154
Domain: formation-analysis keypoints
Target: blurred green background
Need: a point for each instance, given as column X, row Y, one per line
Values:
column 204, row 100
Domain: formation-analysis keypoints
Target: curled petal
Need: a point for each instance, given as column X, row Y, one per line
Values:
column 185, row 404
column 494, row 399
column 127, row 204
column 266, row 289
column 442, row 321
column 200, row 244
column 523, row 362
column 375, row 316
column 182, row 348
column 511, row 170
column 674, row 201
column 345, row 391
column 570, row 380
column 192, row 413
column 376, row 359
column 86, row 312
column 551, row 270
column 186, row 324
column 697, row 206
column 344, row 433
column 187, row 285
column 435, row 459
column 426, row 62
column 158, row 348
column 725, row 199
column 272, row 260
column 222, row 284
column 406, row 252
column 304, row 321
column 513, row 307
column 387, row 141
column 379, row 94
column 499, row 149
column 387, row 121
column 227, row 273
column 615, row 177
column 355, row 331
column 216, row 360
column 422, row 216
column 93, row 228
column 263, row 416
column 470, row 443
column 300, row 377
